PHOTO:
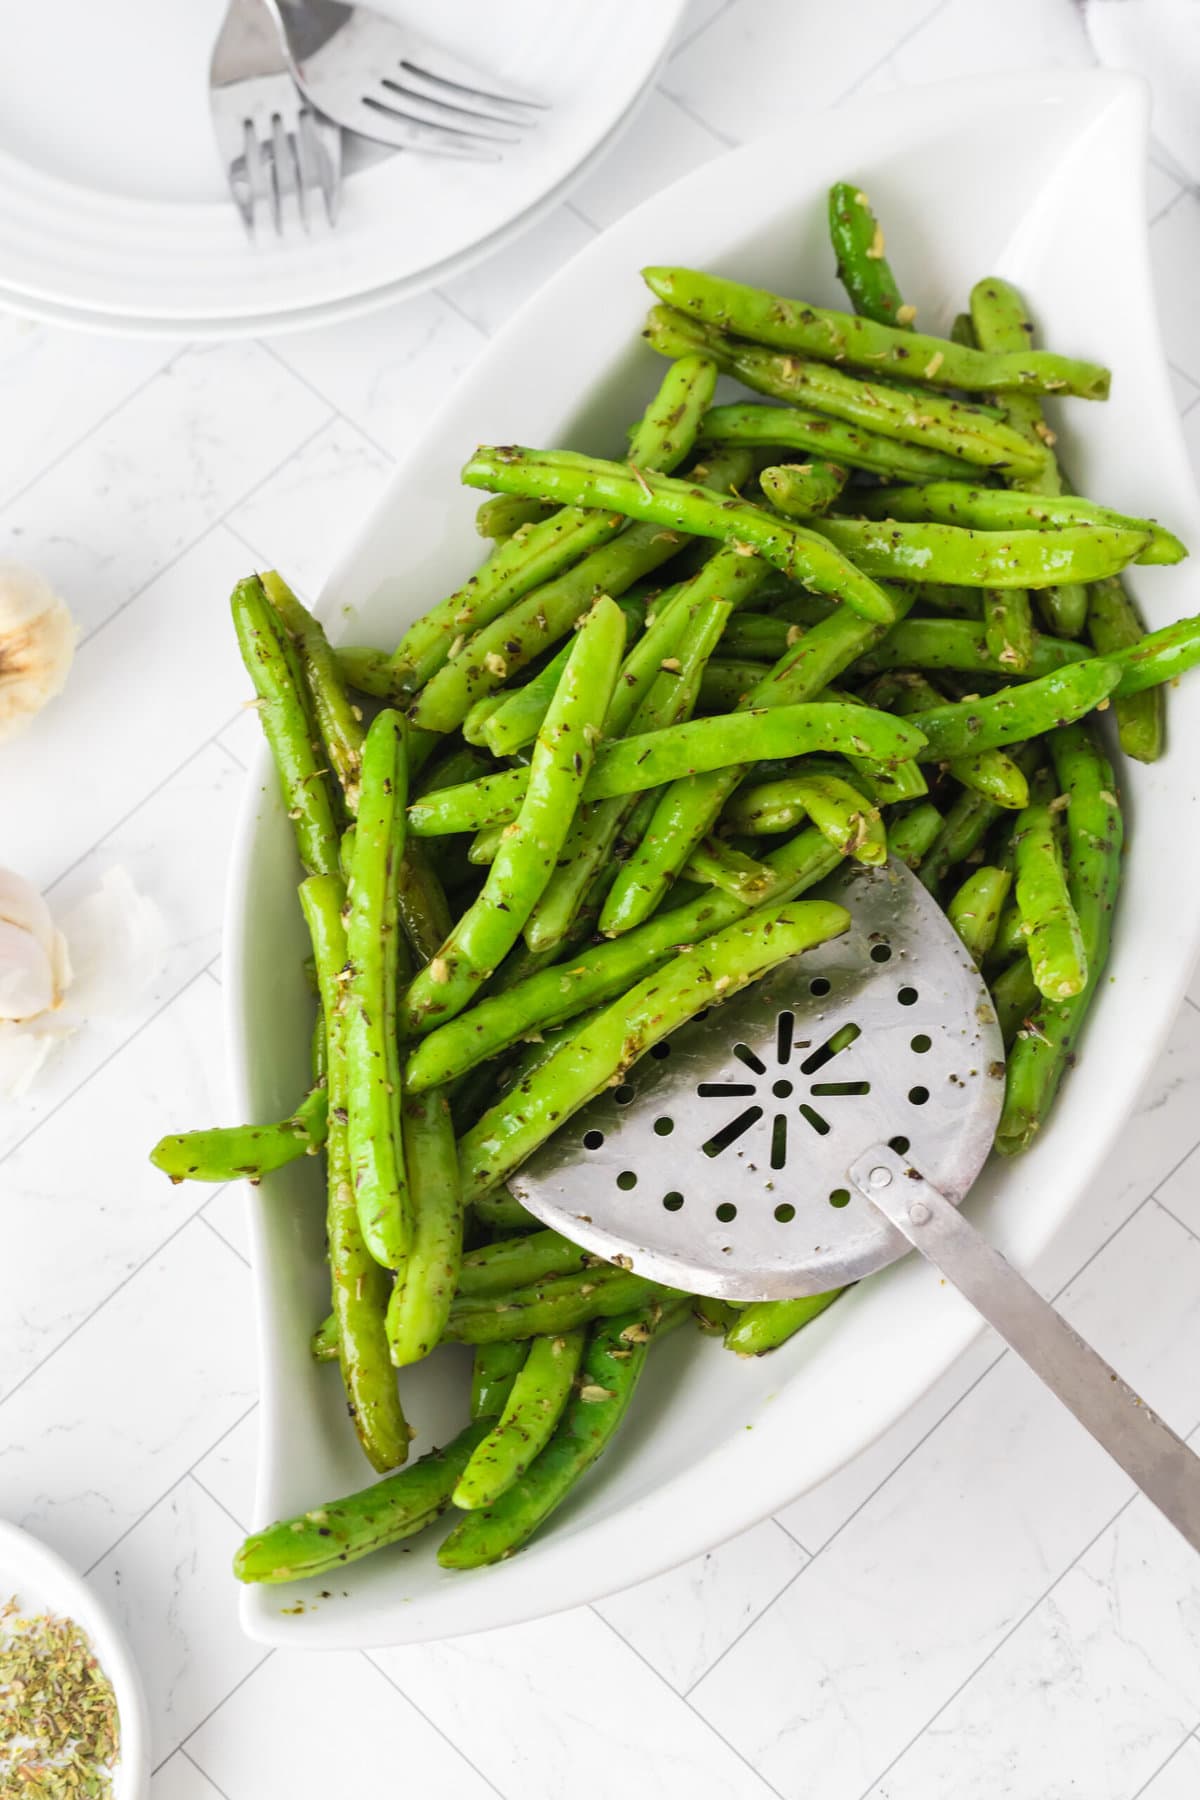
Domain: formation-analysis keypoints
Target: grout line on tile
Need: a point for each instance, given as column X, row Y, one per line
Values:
column 172, row 562
column 722, row 137
column 433, row 1724
column 911, row 1452
column 184, row 1742
column 215, row 978
column 192, row 1476
column 691, row 36
column 220, row 1235
column 92, row 1073
column 200, row 1770
column 456, row 306
column 685, row 1701
column 318, row 394
column 792, row 1538
column 94, row 427
column 141, row 1518
column 1183, row 1742
column 904, row 38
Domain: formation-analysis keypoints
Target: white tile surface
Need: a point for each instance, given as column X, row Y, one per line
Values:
column 168, row 1585
column 984, row 1616
column 328, row 1725
column 682, row 1621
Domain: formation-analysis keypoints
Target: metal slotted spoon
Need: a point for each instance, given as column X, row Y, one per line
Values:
column 811, row 1130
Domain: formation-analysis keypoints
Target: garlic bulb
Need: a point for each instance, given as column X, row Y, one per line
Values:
column 118, row 940
column 37, row 644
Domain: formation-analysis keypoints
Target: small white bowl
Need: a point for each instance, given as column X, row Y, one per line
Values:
column 42, row 1582
column 1037, row 177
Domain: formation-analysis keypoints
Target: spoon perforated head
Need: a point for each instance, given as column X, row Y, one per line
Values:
column 720, row 1163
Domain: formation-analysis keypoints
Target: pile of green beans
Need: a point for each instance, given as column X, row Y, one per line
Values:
column 861, row 617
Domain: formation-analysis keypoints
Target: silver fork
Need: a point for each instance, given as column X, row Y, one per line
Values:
column 277, row 153
column 374, row 76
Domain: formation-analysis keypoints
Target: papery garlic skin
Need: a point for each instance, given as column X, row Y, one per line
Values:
column 35, row 970
column 37, row 646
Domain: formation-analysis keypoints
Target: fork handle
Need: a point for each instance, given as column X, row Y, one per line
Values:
column 1160, row 1463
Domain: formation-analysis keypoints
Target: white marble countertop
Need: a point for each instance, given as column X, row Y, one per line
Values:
column 975, row 1606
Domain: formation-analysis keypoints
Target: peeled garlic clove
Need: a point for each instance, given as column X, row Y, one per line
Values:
column 27, row 985
column 37, row 644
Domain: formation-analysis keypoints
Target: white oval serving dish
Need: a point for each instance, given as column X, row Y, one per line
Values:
column 1039, row 178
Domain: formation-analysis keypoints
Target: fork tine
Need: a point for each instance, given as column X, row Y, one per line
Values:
column 240, row 177
column 468, row 92
column 406, row 132
column 285, row 160
column 320, row 152
column 447, row 109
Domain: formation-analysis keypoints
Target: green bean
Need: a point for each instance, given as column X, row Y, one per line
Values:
column 962, row 603
column 861, row 343
column 375, row 1132
column 963, row 828
column 634, row 764
column 549, row 1307
column 597, row 827
column 961, row 644
column 1015, row 998
column 360, row 1285
column 988, row 772
column 911, row 836
column 1016, row 713
column 765, row 1324
column 800, row 490
column 687, row 811
column 473, row 726
column 534, row 1407
column 862, row 267
column 338, row 721
column 1114, row 624
column 935, row 422
column 1053, row 939
column 790, row 428
column 974, row 910
column 562, row 759
column 999, row 321
column 324, row 1341
column 537, row 622
column 553, row 995
column 1094, row 834
column 1009, row 941
column 841, row 814
column 542, row 552
column 714, row 969
column 759, row 637
column 271, row 664
column 520, row 1262
column 341, row 1531
column 718, row 865
column 494, row 1369
column 421, row 902
column 501, row 516
column 419, row 1306
column 612, row 1366
column 515, row 719
column 1008, row 627
column 485, row 844
column 682, row 506
column 1160, row 656
column 725, row 684
column 244, row 1152
column 996, row 509
column 987, row 559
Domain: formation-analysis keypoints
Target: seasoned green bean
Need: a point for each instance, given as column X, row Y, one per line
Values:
column 765, row 1324
column 961, row 644
column 997, row 509
column 790, row 428
column 1008, row 627
column 974, row 909
column 549, row 1307
column 375, row 1134
column 338, row 721
column 800, row 490
column 520, row 1262
column 986, row 559
column 360, row 1285
column 1053, row 939
column 682, row 506
column 562, row 759
column 1114, row 624
column 986, row 771
column 533, row 1409
column 419, row 1306
column 494, row 1368
column 501, row 516
column 719, row 865
column 1015, row 713
column 861, row 343
column 271, row 664
column 244, row 1152
column 862, row 267
column 911, row 836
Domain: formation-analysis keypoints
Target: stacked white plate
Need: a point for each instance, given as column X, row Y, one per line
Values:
column 114, row 214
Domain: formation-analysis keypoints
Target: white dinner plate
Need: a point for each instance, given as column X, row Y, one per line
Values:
column 712, row 1442
column 124, row 219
